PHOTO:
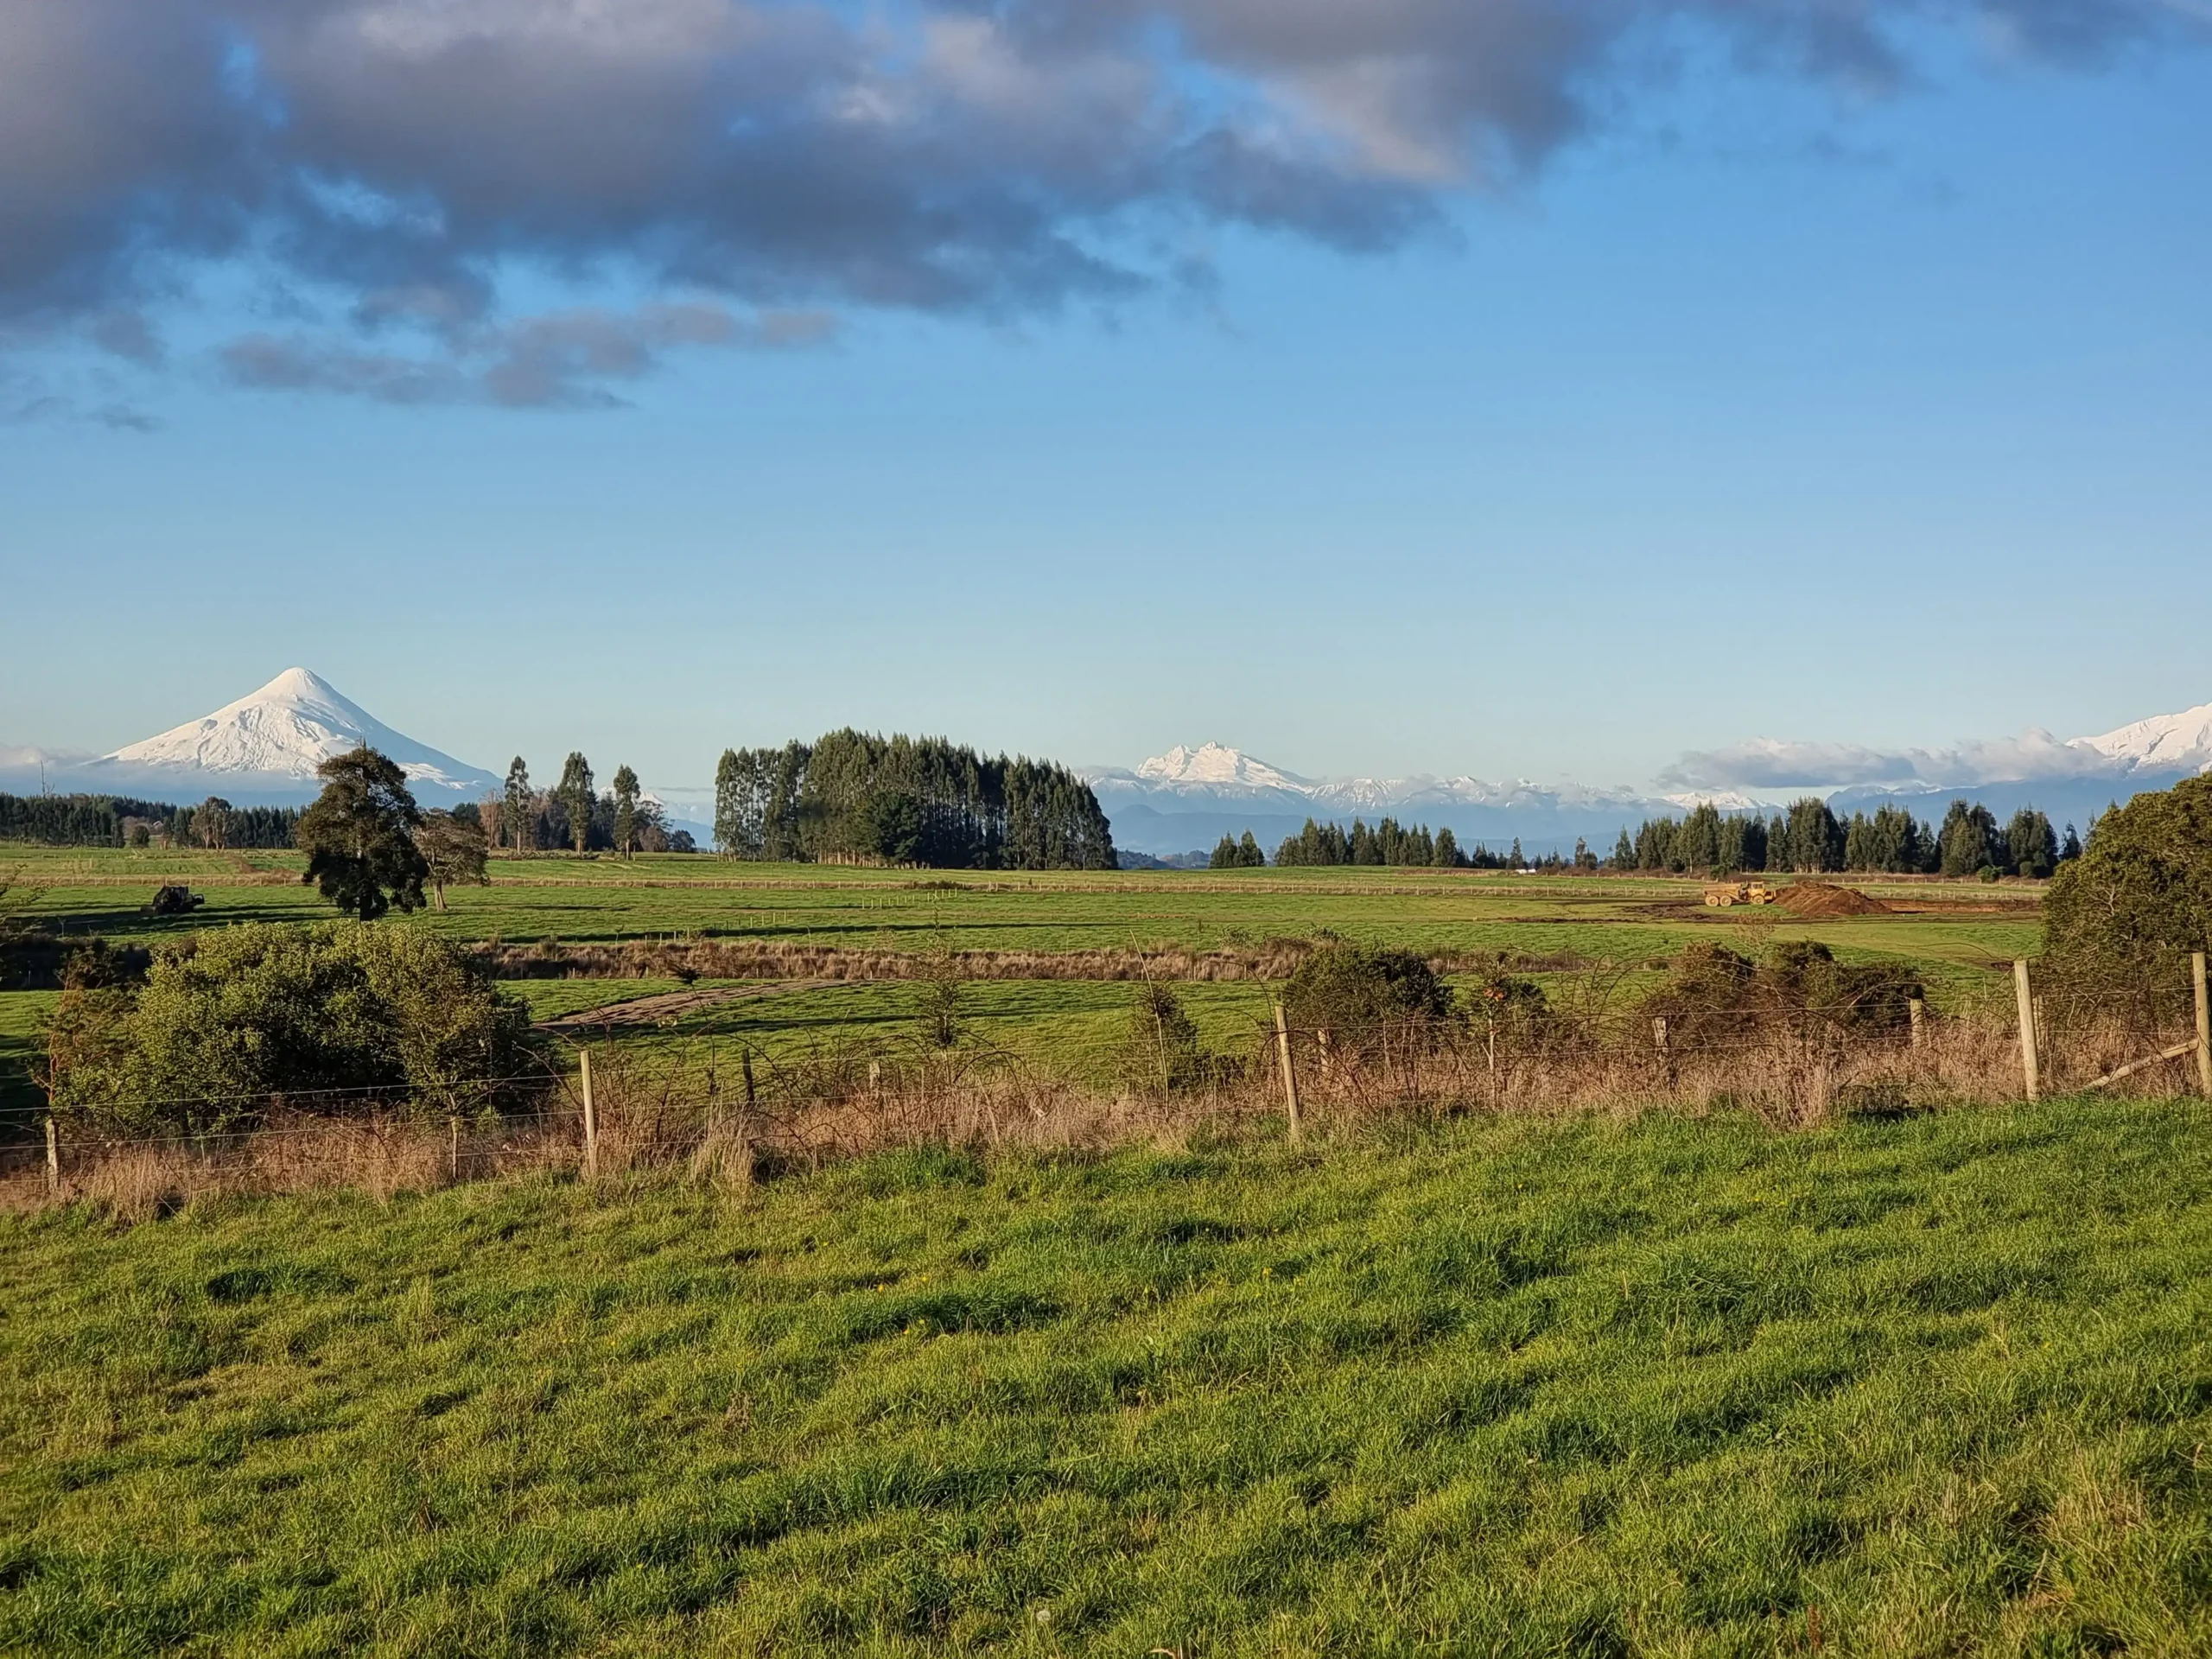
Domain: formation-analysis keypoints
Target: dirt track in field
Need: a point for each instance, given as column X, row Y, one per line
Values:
column 674, row 1004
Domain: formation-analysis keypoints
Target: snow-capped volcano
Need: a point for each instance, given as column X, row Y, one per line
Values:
column 281, row 733
column 1216, row 765
column 2180, row 742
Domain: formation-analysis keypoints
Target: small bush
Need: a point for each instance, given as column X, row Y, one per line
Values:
column 1161, row 1052
column 1714, row 995
column 1510, row 1013
column 227, row 1019
column 1364, row 999
column 99, row 965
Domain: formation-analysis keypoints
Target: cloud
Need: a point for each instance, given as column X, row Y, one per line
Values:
column 1770, row 763
column 424, row 160
column 558, row 360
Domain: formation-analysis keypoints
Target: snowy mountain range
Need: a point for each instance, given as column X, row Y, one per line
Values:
column 1189, row 796
column 265, row 747
column 2179, row 742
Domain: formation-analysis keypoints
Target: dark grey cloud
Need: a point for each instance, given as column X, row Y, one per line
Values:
column 562, row 359
column 410, row 157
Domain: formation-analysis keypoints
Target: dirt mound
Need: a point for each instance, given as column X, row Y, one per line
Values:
column 1819, row 899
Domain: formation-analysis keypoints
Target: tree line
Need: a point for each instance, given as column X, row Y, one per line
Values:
column 853, row 796
column 574, row 814
column 1808, row 838
column 1390, row 844
column 123, row 820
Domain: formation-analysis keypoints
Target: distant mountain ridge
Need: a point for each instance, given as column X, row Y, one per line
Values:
column 1191, row 796
column 265, row 746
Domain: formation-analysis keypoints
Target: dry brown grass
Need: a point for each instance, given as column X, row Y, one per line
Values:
column 382, row 1153
column 731, row 1127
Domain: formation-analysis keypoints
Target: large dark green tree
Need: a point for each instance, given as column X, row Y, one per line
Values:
column 1815, row 839
column 1968, row 842
column 2126, row 915
column 2030, row 846
column 359, row 837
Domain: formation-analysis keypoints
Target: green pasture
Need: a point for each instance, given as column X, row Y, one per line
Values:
column 1071, row 1026
column 22, row 1014
column 1940, row 1385
column 1067, row 1028
column 603, row 900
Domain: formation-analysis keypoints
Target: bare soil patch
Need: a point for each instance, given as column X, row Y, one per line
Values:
column 1823, row 899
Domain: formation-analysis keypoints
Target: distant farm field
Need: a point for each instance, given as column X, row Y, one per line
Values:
column 1936, row 1385
column 1958, row 934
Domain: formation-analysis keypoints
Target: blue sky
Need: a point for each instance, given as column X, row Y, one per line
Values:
column 1768, row 403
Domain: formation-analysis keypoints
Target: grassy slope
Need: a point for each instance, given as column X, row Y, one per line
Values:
column 1933, row 1386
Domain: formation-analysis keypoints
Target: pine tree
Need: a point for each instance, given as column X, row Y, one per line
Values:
column 1224, row 854
column 1967, row 843
column 1623, row 852
column 1249, row 855
column 2031, row 848
column 1816, row 840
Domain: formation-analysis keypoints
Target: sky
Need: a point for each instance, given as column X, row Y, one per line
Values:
column 1547, row 390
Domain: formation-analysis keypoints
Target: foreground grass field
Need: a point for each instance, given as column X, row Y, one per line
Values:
column 1935, row 1385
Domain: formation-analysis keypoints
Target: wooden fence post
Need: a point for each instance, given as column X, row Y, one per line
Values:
column 453, row 1158
column 2203, row 1027
column 53, row 1159
column 2024, row 993
column 1918, row 1007
column 1289, row 1076
column 591, row 1122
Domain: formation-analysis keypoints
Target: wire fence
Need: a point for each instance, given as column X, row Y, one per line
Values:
column 735, row 1109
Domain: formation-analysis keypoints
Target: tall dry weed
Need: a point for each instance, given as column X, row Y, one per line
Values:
column 729, row 1126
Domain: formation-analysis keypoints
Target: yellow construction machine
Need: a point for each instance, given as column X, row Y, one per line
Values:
column 1726, row 895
